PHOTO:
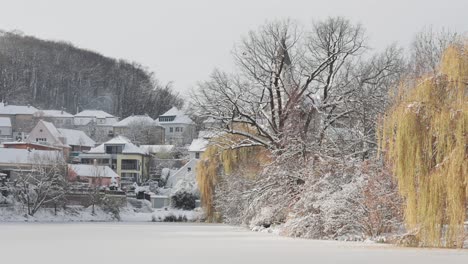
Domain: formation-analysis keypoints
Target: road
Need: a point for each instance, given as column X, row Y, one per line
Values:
column 136, row 243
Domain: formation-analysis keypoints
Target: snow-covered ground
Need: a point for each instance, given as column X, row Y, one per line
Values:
column 191, row 243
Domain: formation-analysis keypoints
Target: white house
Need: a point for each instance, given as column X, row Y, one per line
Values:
column 197, row 147
column 99, row 117
column 59, row 118
column 21, row 117
column 179, row 128
column 141, row 129
column 68, row 139
column 6, row 132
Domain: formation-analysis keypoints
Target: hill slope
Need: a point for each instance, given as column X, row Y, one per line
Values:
column 57, row 75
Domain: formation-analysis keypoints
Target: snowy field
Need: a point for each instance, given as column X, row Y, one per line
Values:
column 190, row 243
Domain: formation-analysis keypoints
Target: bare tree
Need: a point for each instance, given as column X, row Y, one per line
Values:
column 427, row 49
column 45, row 183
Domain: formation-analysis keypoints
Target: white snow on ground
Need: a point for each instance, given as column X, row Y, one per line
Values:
column 191, row 243
column 80, row 214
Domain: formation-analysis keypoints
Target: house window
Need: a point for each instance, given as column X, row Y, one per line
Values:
column 181, row 129
column 197, row 155
column 171, row 129
column 113, row 149
column 176, row 129
column 130, row 164
column 41, row 139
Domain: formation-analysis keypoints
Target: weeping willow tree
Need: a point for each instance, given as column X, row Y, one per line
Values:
column 218, row 161
column 425, row 137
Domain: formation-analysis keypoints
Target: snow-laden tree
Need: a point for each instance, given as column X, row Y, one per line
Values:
column 43, row 184
column 295, row 85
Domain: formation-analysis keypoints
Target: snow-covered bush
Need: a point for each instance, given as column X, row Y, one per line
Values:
column 184, row 200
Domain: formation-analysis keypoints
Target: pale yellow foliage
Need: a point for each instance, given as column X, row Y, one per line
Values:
column 425, row 136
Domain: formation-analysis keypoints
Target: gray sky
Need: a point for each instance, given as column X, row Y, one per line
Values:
column 183, row 41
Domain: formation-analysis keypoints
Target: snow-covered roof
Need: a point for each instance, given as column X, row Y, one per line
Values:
column 52, row 129
column 52, row 113
column 93, row 113
column 128, row 146
column 198, row 145
column 24, row 156
column 157, row 148
column 86, row 170
column 179, row 117
column 16, row 109
column 5, row 122
column 134, row 119
column 76, row 138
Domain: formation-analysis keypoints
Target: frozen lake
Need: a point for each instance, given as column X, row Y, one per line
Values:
column 190, row 243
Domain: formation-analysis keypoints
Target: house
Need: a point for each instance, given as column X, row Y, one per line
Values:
column 99, row 117
column 59, row 118
column 21, row 118
column 140, row 129
column 128, row 160
column 96, row 123
column 6, row 131
column 93, row 175
column 179, row 128
column 14, row 161
column 69, row 140
column 197, row 147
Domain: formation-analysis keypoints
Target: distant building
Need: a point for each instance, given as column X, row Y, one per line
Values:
column 140, row 129
column 6, row 130
column 59, row 118
column 197, row 147
column 96, row 123
column 21, row 118
column 128, row 160
column 179, row 128
column 14, row 161
column 93, row 176
column 69, row 140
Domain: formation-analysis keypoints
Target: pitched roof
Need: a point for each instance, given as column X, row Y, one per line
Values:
column 52, row 129
column 76, row 138
column 17, row 109
column 174, row 111
column 135, row 119
column 180, row 117
column 5, row 122
column 93, row 113
column 198, row 145
column 52, row 113
column 86, row 170
column 24, row 156
column 128, row 146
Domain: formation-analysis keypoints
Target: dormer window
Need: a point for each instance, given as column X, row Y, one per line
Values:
column 166, row 118
column 114, row 149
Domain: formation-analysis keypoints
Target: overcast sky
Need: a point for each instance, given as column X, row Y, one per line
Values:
column 183, row 41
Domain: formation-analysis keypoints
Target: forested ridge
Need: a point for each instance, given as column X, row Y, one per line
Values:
column 57, row 75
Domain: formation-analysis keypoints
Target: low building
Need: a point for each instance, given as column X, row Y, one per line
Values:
column 128, row 160
column 14, row 161
column 93, row 176
column 140, row 129
column 71, row 141
column 21, row 117
column 59, row 118
column 6, row 131
column 197, row 147
column 179, row 128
